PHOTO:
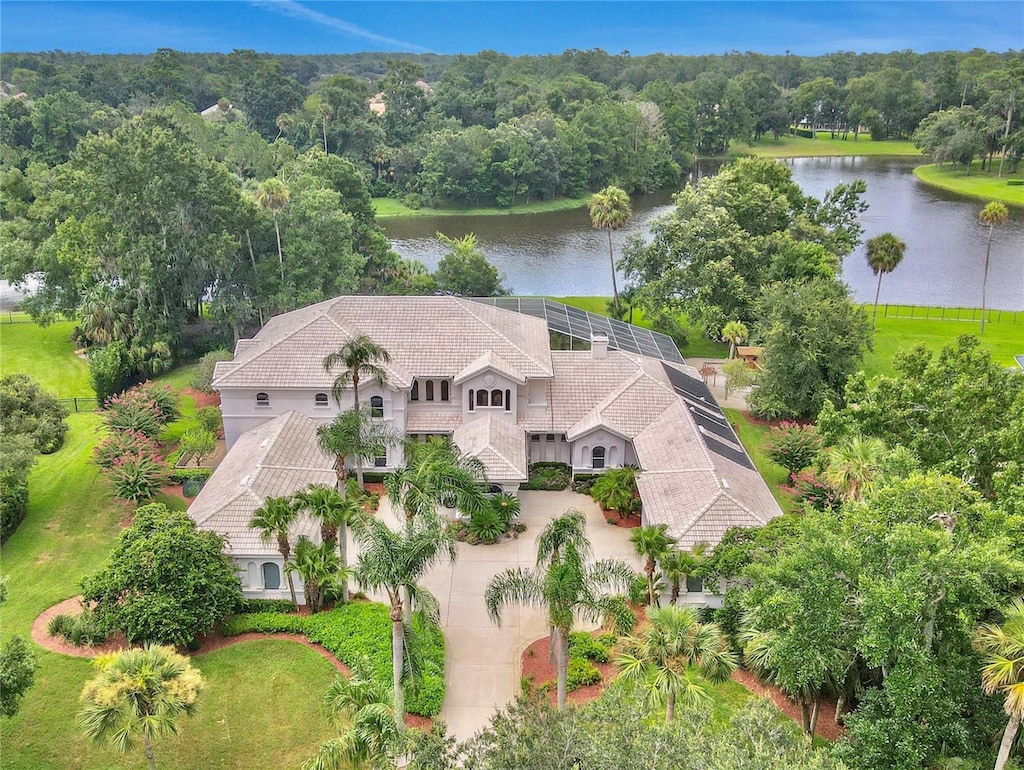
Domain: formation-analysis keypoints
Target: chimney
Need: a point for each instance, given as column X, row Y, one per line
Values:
column 599, row 347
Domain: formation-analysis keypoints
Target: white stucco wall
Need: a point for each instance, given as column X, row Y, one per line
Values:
column 615, row 450
column 489, row 380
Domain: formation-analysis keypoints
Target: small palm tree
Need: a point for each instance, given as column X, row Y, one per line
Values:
column 670, row 652
column 677, row 566
column 651, row 543
column 610, row 210
column 884, row 253
column 1003, row 672
column 394, row 562
column 566, row 587
column 853, row 465
column 358, row 356
column 273, row 195
column 993, row 214
column 735, row 333
column 319, row 568
column 354, row 433
column 436, row 472
column 139, row 693
column 362, row 708
column 615, row 489
column 273, row 519
column 334, row 512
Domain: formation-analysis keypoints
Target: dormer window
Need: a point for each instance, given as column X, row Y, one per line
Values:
column 415, row 395
column 376, row 406
column 262, row 399
column 320, row 399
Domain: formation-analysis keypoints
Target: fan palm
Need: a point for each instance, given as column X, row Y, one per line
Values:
column 670, row 652
column 359, row 356
column 610, row 210
column 567, row 587
column 273, row 195
column 735, row 333
column 273, row 519
column 393, row 562
column 993, row 214
column 139, row 693
column 884, row 253
column 334, row 512
column 319, row 568
column 1003, row 671
column 651, row 543
column 852, row 466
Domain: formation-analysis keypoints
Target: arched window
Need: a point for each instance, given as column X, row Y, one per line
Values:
column 508, row 400
column 597, row 457
column 495, row 397
column 481, row 398
column 430, row 390
column 444, row 390
column 271, row 575
column 320, row 399
column 262, row 399
column 376, row 406
column 415, row 395
column 471, row 402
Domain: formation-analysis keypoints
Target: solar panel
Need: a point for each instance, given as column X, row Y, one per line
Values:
column 726, row 451
column 690, row 387
column 714, row 426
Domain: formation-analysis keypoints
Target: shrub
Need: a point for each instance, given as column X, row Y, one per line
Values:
column 805, row 133
column 264, row 623
column 78, row 630
column 168, row 405
column 792, row 445
column 137, row 478
column 485, row 525
column 198, row 443
column 17, row 456
column 110, row 370
column 210, row 418
column 122, row 444
column 616, row 489
column 181, row 475
column 638, row 589
column 583, row 483
column 506, row 507
column 590, row 647
column 191, row 487
column 202, row 378
column 27, row 409
column 581, row 673
column 1015, row 182
column 808, row 489
column 133, row 411
column 549, row 476
column 413, row 201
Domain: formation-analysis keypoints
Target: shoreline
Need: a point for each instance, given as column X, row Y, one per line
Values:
column 979, row 186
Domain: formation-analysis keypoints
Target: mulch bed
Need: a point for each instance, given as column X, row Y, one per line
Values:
column 631, row 521
column 202, row 399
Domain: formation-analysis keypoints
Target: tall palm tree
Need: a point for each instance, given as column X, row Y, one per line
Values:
column 273, row 195
column 273, row 519
column 852, row 466
column 610, row 210
column 319, row 568
column 669, row 653
column 139, row 693
column 362, row 708
column 1003, row 672
column 359, row 356
column 735, row 333
column 335, row 512
column 393, row 562
column 567, row 587
column 993, row 214
column 884, row 253
column 651, row 543
column 354, row 433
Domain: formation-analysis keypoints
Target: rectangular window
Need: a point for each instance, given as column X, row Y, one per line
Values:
column 535, row 437
column 262, row 399
column 381, row 461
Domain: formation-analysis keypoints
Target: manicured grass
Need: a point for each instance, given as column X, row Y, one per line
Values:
column 984, row 185
column 260, row 708
column 751, row 435
column 47, row 354
column 391, row 207
column 822, row 146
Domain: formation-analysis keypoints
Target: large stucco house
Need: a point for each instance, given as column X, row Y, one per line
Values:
column 488, row 378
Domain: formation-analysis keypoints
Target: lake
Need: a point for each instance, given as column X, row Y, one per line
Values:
column 558, row 253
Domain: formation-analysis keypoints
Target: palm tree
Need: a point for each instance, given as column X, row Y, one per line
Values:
column 359, row 355
column 335, row 512
column 884, row 252
column 319, row 568
column 566, row 587
column 852, row 466
column 273, row 195
column 670, row 652
column 393, row 562
column 139, row 692
column 735, row 333
column 284, row 123
column 993, row 214
column 362, row 707
column 677, row 566
column 650, row 543
column 273, row 519
column 1003, row 672
column 616, row 489
column 354, row 433
column 610, row 210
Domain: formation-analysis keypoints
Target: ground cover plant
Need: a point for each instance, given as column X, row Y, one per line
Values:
column 550, row 476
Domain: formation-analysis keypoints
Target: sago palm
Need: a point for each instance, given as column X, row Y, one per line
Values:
column 274, row 519
column 615, row 489
column 673, row 656
column 1002, row 648
column 651, row 543
column 610, row 210
column 334, row 512
column 884, row 253
column 139, row 693
column 358, row 357
column 993, row 214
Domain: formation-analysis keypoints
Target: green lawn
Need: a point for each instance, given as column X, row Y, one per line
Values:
column 391, row 207
column 984, row 185
column 47, row 354
column 751, row 435
column 821, row 146
column 260, row 708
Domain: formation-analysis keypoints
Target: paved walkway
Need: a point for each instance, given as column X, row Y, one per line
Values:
column 483, row 659
column 716, row 382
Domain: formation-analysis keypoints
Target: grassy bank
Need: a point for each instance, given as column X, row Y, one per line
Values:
column 45, row 353
column 823, row 145
column 984, row 185
column 392, row 208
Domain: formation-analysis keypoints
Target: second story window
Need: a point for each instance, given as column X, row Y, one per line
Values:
column 445, row 396
column 320, row 399
column 376, row 406
column 415, row 395
column 430, row 390
column 262, row 399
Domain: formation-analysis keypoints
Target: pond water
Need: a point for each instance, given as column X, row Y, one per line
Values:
column 558, row 253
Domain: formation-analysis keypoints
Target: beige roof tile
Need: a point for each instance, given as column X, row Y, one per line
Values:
column 490, row 360
column 432, row 422
column 498, row 444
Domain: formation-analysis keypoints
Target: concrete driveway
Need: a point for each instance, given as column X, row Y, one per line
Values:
column 483, row 659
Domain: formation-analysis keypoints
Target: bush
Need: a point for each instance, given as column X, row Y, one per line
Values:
column 78, row 630
column 133, row 411
column 249, row 606
column 1015, row 182
column 413, row 201
column 804, row 133
column 137, row 478
column 590, row 647
column 191, row 487
column 792, row 445
column 210, row 418
column 581, row 673
column 27, row 409
column 202, row 378
column 110, row 370
column 265, row 623
column 615, row 489
column 181, row 475
column 17, row 456
column 168, row 405
column 121, row 444
column 808, row 489
column 485, row 525
column 638, row 589
column 583, row 483
column 549, row 476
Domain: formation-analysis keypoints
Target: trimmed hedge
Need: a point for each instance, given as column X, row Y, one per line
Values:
column 805, row 133
column 264, row 605
column 581, row 673
column 358, row 630
column 549, row 476
column 590, row 647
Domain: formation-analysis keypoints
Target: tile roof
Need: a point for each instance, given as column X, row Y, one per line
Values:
column 275, row 459
column 490, row 360
column 498, row 443
column 431, row 422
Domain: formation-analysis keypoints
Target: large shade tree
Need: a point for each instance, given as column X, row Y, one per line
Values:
column 1002, row 646
column 610, row 209
column 273, row 520
column 884, row 254
column 993, row 215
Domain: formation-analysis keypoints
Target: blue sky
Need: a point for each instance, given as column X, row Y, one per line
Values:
column 537, row 27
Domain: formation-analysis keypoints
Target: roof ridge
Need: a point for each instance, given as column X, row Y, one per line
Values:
column 241, row 491
column 490, row 444
column 700, row 513
column 465, row 305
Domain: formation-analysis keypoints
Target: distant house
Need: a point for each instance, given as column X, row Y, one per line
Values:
column 750, row 354
column 223, row 110
column 487, row 378
column 377, row 105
